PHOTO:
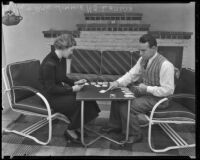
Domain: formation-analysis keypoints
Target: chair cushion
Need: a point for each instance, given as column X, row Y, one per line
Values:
column 32, row 104
column 115, row 62
column 78, row 76
column 86, row 61
column 186, row 84
column 25, row 73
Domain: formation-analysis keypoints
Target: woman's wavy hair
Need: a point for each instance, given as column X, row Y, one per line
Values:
column 64, row 41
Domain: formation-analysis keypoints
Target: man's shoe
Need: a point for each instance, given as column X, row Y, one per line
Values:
column 132, row 139
column 110, row 129
column 143, row 120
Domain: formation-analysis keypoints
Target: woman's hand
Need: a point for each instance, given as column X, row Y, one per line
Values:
column 77, row 88
column 80, row 82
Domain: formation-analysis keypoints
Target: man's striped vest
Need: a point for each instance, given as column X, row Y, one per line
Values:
column 151, row 75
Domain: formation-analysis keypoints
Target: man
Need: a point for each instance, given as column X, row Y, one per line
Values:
column 157, row 75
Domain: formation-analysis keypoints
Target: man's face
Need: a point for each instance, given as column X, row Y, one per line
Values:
column 145, row 51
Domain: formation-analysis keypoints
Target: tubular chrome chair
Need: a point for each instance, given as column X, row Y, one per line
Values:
column 22, row 84
column 180, row 110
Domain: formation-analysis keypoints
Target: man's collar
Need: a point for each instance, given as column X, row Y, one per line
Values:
column 154, row 56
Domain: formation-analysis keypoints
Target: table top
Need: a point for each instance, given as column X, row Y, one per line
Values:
column 91, row 92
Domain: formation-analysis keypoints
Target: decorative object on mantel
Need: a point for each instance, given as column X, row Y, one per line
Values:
column 171, row 34
column 52, row 33
column 10, row 17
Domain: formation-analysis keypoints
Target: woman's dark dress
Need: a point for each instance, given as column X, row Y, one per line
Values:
column 61, row 97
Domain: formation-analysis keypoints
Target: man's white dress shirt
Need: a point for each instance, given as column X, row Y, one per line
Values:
column 166, row 87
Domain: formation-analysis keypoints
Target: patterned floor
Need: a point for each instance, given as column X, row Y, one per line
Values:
column 14, row 145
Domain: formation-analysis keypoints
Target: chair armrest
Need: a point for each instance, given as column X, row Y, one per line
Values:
column 24, row 88
column 36, row 92
column 181, row 95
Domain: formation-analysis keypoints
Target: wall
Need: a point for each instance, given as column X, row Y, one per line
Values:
column 26, row 41
column 189, row 54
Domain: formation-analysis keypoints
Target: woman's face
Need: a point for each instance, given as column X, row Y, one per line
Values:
column 67, row 52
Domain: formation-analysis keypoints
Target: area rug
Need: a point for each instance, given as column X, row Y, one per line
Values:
column 29, row 147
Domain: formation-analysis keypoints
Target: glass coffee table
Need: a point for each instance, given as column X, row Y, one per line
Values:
column 91, row 93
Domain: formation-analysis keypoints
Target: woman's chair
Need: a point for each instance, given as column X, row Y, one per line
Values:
column 22, row 87
column 180, row 110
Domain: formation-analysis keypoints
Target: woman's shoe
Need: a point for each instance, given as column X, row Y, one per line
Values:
column 70, row 139
column 143, row 120
column 79, row 133
column 132, row 139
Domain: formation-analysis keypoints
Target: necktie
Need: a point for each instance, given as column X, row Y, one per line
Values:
column 145, row 63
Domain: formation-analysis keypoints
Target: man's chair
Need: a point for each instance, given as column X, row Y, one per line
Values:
column 180, row 110
column 22, row 87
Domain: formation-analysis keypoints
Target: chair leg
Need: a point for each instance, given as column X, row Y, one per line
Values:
column 26, row 132
column 176, row 138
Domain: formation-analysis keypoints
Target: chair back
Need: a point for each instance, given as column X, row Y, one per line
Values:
column 24, row 73
column 186, row 84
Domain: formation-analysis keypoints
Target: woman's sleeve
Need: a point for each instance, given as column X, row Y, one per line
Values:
column 69, row 81
column 49, row 81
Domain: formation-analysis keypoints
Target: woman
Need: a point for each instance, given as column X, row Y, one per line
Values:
column 61, row 91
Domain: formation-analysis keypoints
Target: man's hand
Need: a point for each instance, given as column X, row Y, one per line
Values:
column 113, row 85
column 77, row 88
column 80, row 82
column 142, row 88
column 139, row 90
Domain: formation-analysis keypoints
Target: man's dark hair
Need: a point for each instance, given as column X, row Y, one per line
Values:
column 148, row 38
